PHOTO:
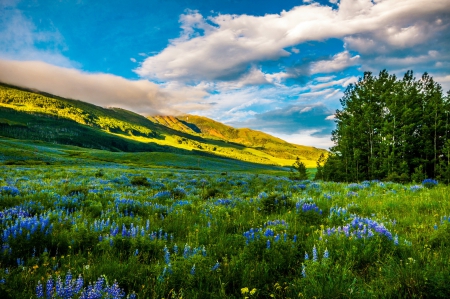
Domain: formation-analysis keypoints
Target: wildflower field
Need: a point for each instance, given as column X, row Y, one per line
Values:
column 131, row 232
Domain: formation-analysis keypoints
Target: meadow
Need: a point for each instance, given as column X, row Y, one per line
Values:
column 121, row 231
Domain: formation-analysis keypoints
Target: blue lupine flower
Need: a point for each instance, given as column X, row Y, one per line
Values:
column 166, row 255
column 268, row 244
column 306, row 256
column 303, row 270
column 39, row 290
column 325, row 254
column 314, row 254
column 216, row 266
column 396, row 240
column 192, row 270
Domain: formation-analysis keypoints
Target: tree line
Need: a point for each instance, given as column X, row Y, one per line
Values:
column 390, row 128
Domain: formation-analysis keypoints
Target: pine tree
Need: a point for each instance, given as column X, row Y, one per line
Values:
column 299, row 171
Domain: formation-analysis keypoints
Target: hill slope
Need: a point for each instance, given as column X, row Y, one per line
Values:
column 31, row 115
column 208, row 128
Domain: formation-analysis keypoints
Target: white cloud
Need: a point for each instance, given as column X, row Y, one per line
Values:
column 100, row 89
column 315, row 94
column 337, row 63
column 224, row 48
column 305, row 137
column 344, row 82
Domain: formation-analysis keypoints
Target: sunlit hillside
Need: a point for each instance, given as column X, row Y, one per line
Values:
column 34, row 115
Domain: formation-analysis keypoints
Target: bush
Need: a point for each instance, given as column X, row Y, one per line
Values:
column 78, row 191
column 275, row 203
column 140, row 181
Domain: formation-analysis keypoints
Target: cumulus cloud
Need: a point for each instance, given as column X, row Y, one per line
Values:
column 222, row 47
column 337, row 63
column 104, row 90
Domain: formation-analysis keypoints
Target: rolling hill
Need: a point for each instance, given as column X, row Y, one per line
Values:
column 33, row 115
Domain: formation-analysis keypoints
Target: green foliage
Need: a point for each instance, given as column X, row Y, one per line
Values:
column 299, row 173
column 390, row 128
column 275, row 203
column 99, row 173
column 319, row 169
column 78, row 191
column 140, row 181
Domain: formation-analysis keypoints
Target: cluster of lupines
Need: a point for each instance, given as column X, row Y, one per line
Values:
column 27, row 226
column 298, row 187
column 445, row 219
column 71, row 287
column 315, row 259
column 9, row 190
column 314, row 186
column 429, row 183
column 360, row 228
column 337, row 212
column 415, row 188
column 355, row 187
column 163, row 195
column 132, row 232
column 304, row 207
column 315, row 256
column 189, row 252
column 276, row 223
column 13, row 213
column 224, row 202
column 270, row 234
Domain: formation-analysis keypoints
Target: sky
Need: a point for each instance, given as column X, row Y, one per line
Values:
column 275, row 66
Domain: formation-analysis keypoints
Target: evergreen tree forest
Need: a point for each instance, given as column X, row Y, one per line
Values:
column 391, row 129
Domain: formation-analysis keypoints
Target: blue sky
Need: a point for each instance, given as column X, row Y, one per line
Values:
column 275, row 66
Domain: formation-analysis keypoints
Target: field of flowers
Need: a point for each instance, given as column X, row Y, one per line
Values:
column 129, row 232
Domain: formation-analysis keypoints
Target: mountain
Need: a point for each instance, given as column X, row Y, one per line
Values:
column 33, row 115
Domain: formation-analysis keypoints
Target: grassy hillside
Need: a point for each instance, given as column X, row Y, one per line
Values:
column 253, row 140
column 32, row 115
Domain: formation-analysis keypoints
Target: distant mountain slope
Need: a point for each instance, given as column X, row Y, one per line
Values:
column 32, row 115
column 208, row 128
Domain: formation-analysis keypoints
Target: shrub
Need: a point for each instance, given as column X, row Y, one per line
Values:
column 140, row 181
column 274, row 203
